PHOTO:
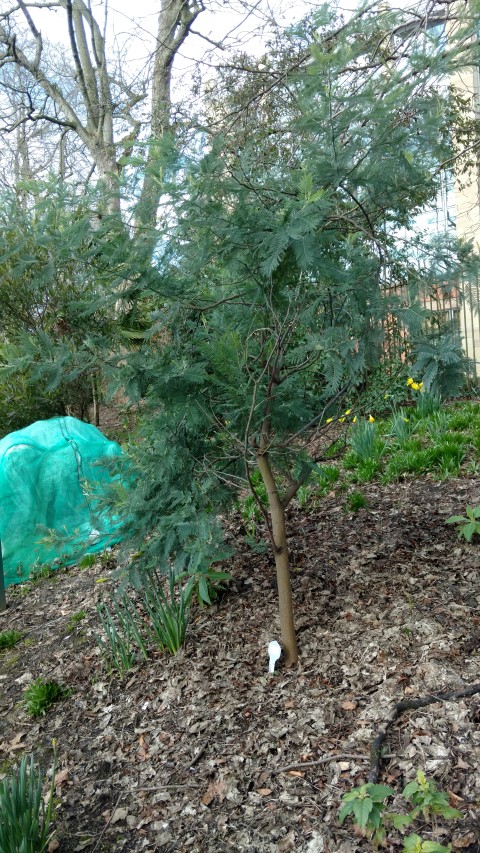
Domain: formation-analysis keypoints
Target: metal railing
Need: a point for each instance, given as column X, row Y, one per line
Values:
column 454, row 311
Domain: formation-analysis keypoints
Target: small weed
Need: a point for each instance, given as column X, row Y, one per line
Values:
column 366, row 471
column 40, row 695
column 249, row 507
column 325, row 476
column 123, row 633
column 468, row 525
column 75, row 619
column 303, row 495
column 87, row 561
column 356, row 501
column 366, row 806
column 41, row 572
column 8, row 639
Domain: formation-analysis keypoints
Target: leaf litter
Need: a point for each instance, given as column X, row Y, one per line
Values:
column 206, row 751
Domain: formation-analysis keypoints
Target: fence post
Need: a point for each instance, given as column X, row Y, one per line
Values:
column 3, row 600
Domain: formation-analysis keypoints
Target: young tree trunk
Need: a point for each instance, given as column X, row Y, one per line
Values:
column 282, row 562
column 3, row 600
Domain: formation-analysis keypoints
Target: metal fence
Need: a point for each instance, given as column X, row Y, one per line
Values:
column 455, row 311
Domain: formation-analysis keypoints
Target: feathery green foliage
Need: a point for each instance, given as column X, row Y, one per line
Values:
column 265, row 305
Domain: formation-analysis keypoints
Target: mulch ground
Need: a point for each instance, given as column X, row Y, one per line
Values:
column 207, row 752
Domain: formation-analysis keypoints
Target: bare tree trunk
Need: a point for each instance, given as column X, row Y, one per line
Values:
column 174, row 22
column 282, row 562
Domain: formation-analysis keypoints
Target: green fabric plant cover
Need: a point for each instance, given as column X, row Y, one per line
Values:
column 52, row 475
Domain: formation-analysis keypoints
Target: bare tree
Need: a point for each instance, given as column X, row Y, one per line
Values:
column 102, row 115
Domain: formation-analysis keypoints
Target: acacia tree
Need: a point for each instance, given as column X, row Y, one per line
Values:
column 266, row 303
column 275, row 269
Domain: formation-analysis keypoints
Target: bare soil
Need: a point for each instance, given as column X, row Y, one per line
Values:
column 205, row 751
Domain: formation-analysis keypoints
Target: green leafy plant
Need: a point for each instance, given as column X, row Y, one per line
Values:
column 428, row 800
column 400, row 426
column 427, row 403
column 356, row 501
column 75, row 619
column 366, row 805
column 40, row 572
column 87, row 561
column 169, row 616
column 468, row 524
column 365, row 441
column 8, row 639
column 116, row 648
column 25, row 819
column 204, row 584
column 41, row 694
column 414, row 844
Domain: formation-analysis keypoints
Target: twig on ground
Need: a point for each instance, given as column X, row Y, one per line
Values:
column 197, row 756
column 97, row 845
column 410, row 705
column 325, row 759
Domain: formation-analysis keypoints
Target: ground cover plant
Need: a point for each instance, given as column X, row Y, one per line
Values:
column 407, row 443
column 8, row 639
column 41, row 694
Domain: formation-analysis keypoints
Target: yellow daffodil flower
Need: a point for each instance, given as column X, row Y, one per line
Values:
column 348, row 411
column 341, row 420
column 410, row 381
column 329, row 420
column 354, row 420
column 371, row 419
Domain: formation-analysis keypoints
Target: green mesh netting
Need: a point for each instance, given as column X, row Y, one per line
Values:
column 52, row 477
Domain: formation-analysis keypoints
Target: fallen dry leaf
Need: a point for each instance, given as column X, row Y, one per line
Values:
column 119, row 814
column 287, row 843
column 61, row 777
column 216, row 789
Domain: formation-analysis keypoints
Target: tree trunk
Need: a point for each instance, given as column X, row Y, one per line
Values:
column 282, row 562
column 3, row 600
column 174, row 21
